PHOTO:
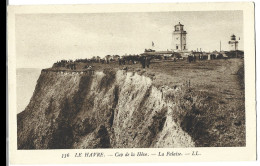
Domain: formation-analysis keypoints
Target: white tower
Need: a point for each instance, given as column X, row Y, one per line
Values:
column 179, row 38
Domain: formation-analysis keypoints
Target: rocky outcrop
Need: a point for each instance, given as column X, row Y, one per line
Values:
column 110, row 109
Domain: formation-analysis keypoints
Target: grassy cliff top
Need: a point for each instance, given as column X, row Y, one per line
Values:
column 200, row 73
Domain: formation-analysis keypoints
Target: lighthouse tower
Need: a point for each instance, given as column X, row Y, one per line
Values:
column 179, row 38
column 233, row 43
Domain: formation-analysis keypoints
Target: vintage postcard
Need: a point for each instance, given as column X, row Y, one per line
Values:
column 131, row 83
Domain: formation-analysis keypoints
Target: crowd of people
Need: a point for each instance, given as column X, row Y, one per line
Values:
column 68, row 64
column 124, row 60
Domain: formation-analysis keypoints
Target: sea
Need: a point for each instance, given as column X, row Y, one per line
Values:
column 26, row 79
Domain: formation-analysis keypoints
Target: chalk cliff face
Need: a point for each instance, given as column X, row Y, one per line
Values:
column 111, row 109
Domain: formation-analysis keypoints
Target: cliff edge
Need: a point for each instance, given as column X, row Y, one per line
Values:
column 111, row 109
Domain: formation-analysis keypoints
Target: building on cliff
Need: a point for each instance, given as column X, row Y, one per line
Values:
column 233, row 43
column 179, row 45
column 179, row 48
column 179, row 38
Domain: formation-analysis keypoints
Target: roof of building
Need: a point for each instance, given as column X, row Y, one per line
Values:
column 179, row 24
column 157, row 53
column 164, row 52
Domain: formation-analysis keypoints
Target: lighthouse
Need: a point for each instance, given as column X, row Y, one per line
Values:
column 179, row 38
column 233, row 43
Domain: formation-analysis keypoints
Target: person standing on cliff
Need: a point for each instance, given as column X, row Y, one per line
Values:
column 119, row 61
column 143, row 59
column 147, row 62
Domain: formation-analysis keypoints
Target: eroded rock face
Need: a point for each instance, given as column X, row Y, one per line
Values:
column 101, row 110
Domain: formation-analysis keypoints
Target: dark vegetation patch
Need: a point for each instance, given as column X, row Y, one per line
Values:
column 25, row 136
column 111, row 118
column 49, row 111
column 157, row 124
column 209, row 123
column 62, row 137
column 103, row 136
column 84, row 89
column 115, row 102
column 241, row 76
column 195, row 115
column 108, row 80
column 116, row 96
column 85, row 126
column 28, row 142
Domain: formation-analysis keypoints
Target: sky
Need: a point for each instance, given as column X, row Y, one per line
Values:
column 42, row 39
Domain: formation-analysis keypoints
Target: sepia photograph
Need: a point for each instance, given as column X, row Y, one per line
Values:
column 141, row 79
column 124, row 80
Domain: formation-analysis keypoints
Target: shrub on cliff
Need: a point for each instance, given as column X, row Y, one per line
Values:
column 196, row 113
